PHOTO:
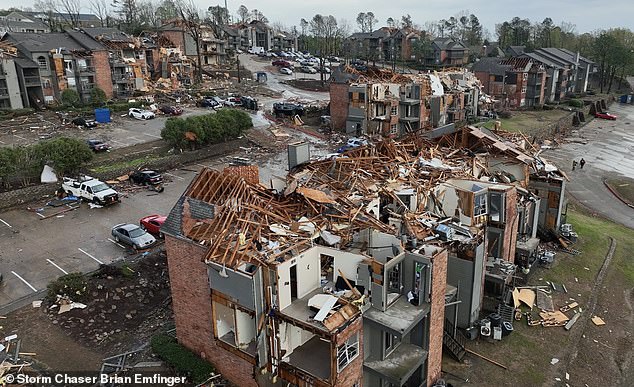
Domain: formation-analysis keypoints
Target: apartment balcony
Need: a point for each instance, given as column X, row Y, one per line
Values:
column 409, row 119
column 87, row 70
column 399, row 318
column 120, row 78
column 409, row 101
column 399, row 365
column 86, row 88
column 4, row 92
column 32, row 80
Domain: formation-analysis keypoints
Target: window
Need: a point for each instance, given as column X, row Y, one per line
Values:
column 480, row 205
column 390, row 342
column 41, row 62
column 523, row 89
column 394, row 129
column 395, row 279
column 394, row 110
column 496, row 200
column 525, row 75
column 347, row 352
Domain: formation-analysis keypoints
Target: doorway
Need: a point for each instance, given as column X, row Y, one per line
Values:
column 293, row 273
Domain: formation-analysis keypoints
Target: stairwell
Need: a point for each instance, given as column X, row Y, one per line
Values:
column 454, row 343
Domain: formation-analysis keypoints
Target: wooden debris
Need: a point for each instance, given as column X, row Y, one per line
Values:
column 598, row 321
column 572, row 321
column 486, row 358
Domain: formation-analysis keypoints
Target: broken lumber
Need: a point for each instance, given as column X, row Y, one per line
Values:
column 486, row 358
column 354, row 290
column 572, row 321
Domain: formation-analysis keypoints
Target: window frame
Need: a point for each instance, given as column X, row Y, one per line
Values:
column 347, row 352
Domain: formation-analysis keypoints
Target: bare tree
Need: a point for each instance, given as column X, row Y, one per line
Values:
column 128, row 12
column 148, row 15
column 191, row 21
column 100, row 9
column 71, row 10
column 243, row 13
column 60, row 12
column 258, row 16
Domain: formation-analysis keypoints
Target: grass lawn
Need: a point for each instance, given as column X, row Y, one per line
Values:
column 528, row 122
column 527, row 352
column 624, row 187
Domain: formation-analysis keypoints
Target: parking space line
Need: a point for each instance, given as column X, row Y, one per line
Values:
column 8, row 225
column 101, row 263
column 169, row 174
column 152, row 135
column 54, row 264
column 117, row 243
column 23, row 280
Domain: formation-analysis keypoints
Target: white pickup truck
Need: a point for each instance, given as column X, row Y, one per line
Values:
column 90, row 189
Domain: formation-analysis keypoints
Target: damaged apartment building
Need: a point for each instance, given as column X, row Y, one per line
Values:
column 350, row 271
column 61, row 62
column 379, row 102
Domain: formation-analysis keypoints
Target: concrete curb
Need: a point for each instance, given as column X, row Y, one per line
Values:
column 615, row 193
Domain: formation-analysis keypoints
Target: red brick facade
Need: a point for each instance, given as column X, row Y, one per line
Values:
column 436, row 316
column 103, row 74
column 338, row 105
column 353, row 373
column 191, row 302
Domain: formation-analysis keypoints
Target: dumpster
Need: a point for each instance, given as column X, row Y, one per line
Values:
column 102, row 115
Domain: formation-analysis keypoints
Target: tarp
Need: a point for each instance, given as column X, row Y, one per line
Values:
column 48, row 175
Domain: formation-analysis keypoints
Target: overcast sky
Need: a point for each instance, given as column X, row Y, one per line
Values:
column 586, row 15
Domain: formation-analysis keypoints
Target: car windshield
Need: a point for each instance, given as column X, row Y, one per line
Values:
column 99, row 188
column 136, row 232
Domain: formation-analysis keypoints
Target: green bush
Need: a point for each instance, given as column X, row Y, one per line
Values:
column 98, row 97
column 576, row 103
column 182, row 360
column 65, row 155
column 70, row 97
column 212, row 128
column 73, row 285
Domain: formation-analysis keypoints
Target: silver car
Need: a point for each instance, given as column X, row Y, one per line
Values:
column 133, row 235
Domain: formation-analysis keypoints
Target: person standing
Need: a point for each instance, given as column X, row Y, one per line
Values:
column 574, row 164
column 582, row 162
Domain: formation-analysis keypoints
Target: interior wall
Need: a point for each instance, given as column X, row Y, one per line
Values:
column 284, row 284
column 245, row 325
column 308, row 276
column 292, row 337
column 224, row 319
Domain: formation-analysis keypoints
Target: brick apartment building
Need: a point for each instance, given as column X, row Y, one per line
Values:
column 392, row 105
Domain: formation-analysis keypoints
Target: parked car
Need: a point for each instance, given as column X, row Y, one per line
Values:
column 90, row 189
column 141, row 114
column 325, row 70
column 249, row 102
column 132, row 235
column 233, row 101
column 146, row 177
column 85, row 122
column 288, row 109
column 211, row 102
column 152, row 224
column 98, row 145
column 309, row 70
column 286, row 70
column 605, row 116
column 171, row 110
column 282, row 63
column 356, row 142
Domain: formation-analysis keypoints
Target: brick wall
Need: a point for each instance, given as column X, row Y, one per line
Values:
column 103, row 73
column 338, row 105
column 436, row 316
column 353, row 373
column 191, row 302
column 176, row 37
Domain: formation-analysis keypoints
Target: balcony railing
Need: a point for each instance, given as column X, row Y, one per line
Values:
column 86, row 69
column 32, row 80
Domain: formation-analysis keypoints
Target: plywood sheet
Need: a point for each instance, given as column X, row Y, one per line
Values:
column 527, row 296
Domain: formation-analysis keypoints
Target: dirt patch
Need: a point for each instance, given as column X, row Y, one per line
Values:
column 309, row 84
column 122, row 313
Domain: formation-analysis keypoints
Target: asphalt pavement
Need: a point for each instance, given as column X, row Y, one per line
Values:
column 608, row 149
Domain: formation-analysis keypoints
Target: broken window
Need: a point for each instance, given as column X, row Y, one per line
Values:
column 347, row 352
column 41, row 62
column 496, row 213
column 480, row 205
column 395, row 279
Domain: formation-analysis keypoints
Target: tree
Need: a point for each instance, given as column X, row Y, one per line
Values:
column 217, row 18
column 243, row 13
column 60, row 13
column 65, row 155
column 70, row 97
column 406, row 21
column 128, row 13
column 191, row 21
column 258, row 16
column 98, row 97
column 70, row 9
column 167, row 10
column 148, row 16
column 370, row 21
column 391, row 23
column 100, row 9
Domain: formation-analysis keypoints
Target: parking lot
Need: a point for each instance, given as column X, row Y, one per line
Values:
column 36, row 248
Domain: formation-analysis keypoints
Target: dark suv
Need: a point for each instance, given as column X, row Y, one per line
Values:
column 146, row 178
column 288, row 109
